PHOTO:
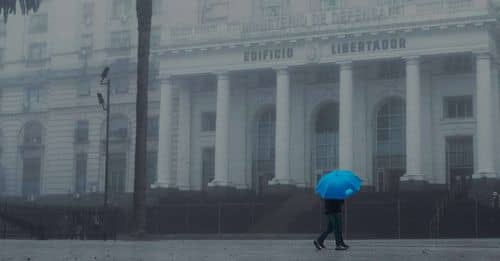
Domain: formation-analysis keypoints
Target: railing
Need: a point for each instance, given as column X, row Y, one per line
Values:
column 441, row 207
column 339, row 19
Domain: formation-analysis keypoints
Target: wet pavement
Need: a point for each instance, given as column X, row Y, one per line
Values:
column 246, row 250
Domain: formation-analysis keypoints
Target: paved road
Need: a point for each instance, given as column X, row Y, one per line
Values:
column 246, row 250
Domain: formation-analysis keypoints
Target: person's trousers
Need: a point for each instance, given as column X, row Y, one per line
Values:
column 334, row 225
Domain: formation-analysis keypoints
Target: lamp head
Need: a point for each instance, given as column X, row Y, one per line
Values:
column 104, row 74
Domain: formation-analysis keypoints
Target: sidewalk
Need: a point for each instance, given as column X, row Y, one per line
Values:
column 248, row 250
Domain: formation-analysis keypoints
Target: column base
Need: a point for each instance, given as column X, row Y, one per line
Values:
column 164, row 185
column 412, row 183
column 221, row 192
column 219, row 183
column 281, row 190
column 277, row 181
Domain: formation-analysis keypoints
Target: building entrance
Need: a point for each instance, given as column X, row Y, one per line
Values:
column 459, row 164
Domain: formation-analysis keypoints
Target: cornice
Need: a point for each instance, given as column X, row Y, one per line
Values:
column 325, row 35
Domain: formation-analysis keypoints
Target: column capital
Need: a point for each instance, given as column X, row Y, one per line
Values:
column 222, row 74
column 345, row 65
column 486, row 55
column 167, row 82
column 282, row 69
column 165, row 76
column 412, row 60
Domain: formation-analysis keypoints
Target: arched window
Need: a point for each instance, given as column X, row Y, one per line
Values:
column 32, row 151
column 390, row 149
column 264, row 149
column 326, row 139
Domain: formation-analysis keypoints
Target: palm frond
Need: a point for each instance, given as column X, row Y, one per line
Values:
column 9, row 7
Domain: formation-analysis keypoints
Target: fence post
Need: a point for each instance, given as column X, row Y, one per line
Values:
column 219, row 218
column 186, row 219
column 399, row 217
column 476, row 215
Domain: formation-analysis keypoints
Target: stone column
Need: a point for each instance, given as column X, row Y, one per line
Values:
column 485, row 133
column 413, row 121
column 282, row 155
column 165, row 177
column 184, row 145
column 222, row 131
column 346, row 117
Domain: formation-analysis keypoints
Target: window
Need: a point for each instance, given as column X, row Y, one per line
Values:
column 32, row 98
column 82, row 131
column 327, row 138
column 120, row 40
column 118, row 129
column 37, row 52
column 390, row 135
column 3, row 30
column 88, row 13
column 208, row 165
column 2, row 56
column 33, row 134
column 458, row 64
column 391, row 70
column 330, row 4
column 155, row 37
column 273, row 8
column 81, row 173
column 39, row 23
column 87, row 42
column 153, row 127
column 213, row 11
column 208, row 120
column 458, row 107
column 83, row 87
column 395, row 7
column 157, row 7
column 154, row 74
column 120, row 76
column 121, row 9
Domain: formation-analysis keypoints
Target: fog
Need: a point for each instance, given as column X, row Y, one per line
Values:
column 250, row 104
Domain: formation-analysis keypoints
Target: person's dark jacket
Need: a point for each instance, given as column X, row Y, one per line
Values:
column 333, row 206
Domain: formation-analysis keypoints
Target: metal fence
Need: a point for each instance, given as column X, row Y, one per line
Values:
column 392, row 219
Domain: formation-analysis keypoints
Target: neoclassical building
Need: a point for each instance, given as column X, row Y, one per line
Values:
column 252, row 95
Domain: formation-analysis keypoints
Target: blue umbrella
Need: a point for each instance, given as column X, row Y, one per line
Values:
column 338, row 184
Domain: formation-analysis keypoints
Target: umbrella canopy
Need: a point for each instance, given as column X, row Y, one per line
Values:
column 338, row 184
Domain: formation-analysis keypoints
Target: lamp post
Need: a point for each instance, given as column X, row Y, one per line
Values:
column 105, row 81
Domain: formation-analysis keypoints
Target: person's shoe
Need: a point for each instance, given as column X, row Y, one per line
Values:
column 340, row 247
column 343, row 244
column 318, row 245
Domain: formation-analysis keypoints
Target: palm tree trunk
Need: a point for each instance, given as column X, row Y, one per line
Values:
column 144, row 13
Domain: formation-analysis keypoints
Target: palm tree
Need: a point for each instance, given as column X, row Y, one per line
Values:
column 8, row 7
column 144, row 9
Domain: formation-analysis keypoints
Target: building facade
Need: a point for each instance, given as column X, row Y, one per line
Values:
column 251, row 95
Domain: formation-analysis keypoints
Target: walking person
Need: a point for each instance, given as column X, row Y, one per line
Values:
column 333, row 212
column 334, row 188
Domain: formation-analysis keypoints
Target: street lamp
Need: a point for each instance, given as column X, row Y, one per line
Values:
column 105, row 81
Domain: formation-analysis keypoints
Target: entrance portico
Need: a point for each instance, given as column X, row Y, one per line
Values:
column 293, row 94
